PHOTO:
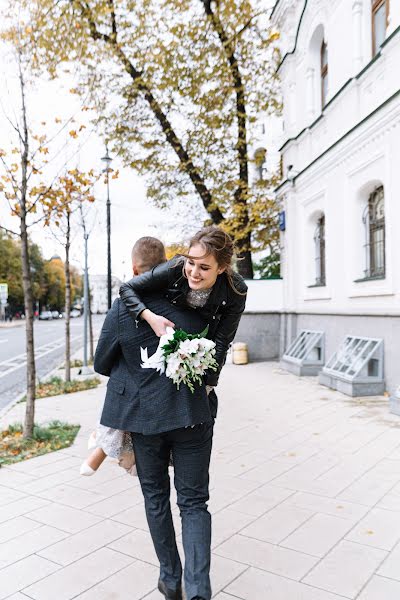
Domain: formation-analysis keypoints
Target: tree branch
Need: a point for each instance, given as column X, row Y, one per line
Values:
column 186, row 162
column 9, row 231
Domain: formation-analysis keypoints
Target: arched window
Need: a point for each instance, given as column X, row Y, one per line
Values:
column 380, row 14
column 324, row 73
column 374, row 223
column 319, row 244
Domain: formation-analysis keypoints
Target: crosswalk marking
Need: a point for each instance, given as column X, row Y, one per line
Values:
column 18, row 361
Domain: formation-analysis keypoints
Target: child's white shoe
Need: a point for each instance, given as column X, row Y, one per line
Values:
column 86, row 470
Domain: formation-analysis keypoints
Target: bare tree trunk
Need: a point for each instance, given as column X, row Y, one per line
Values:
column 67, row 302
column 26, row 276
column 91, row 351
column 30, row 347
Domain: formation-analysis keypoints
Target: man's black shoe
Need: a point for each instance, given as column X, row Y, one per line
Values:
column 169, row 594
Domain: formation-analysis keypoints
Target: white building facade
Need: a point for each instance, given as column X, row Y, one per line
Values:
column 340, row 200
column 98, row 292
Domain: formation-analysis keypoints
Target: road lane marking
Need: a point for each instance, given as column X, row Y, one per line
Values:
column 8, row 366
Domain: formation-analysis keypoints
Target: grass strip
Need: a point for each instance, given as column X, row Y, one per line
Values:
column 46, row 438
column 56, row 386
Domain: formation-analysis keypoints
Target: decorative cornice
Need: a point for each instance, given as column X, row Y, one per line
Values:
column 341, row 90
column 342, row 138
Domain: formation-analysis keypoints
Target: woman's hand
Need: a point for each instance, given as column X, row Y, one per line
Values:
column 158, row 323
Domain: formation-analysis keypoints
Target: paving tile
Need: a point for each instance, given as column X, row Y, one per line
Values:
column 154, row 595
column 116, row 485
column 23, row 573
column 226, row 523
column 390, row 501
column 83, row 543
column 40, row 469
column 261, row 500
column 65, row 518
column 265, row 472
column 139, row 578
column 70, row 496
column 278, row 523
column 137, row 544
column 29, row 543
column 46, row 483
column 318, row 535
column 134, row 516
column 223, row 572
column 21, row 507
column 75, row 579
column 105, row 474
column 390, row 568
column 16, row 527
column 220, row 596
column 380, row 588
column 379, row 528
column 367, row 490
column 329, row 506
column 14, row 479
column 8, row 495
column 118, row 503
column 346, row 569
column 266, row 556
column 255, row 584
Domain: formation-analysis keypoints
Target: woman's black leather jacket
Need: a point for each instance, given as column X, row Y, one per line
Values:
column 222, row 310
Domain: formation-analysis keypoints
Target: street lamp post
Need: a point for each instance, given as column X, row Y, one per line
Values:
column 108, row 160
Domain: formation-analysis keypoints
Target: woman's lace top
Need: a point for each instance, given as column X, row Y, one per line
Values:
column 198, row 298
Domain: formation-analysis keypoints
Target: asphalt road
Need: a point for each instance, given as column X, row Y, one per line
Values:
column 49, row 351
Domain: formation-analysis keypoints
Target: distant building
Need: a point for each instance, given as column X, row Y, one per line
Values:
column 341, row 156
column 98, row 291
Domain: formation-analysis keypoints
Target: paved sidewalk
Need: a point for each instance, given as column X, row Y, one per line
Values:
column 305, row 496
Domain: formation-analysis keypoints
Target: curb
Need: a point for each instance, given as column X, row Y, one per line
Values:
column 12, row 325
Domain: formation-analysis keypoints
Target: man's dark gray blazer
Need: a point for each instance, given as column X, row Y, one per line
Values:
column 142, row 400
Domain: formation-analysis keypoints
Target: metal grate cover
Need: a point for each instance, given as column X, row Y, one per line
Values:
column 358, row 360
column 307, row 348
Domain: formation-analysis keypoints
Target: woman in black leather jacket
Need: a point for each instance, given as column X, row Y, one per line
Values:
column 203, row 280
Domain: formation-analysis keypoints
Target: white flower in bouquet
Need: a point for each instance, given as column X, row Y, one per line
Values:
column 183, row 357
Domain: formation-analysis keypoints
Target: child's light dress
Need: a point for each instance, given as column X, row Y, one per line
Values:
column 116, row 444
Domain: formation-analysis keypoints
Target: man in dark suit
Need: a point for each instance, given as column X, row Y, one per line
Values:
column 163, row 420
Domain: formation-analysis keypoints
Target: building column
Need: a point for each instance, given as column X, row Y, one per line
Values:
column 357, row 35
column 310, row 78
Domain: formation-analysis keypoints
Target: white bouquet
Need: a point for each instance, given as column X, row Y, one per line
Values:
column 183, row 357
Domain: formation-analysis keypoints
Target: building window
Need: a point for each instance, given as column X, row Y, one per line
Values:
column 319, row 242
column 324, row 73
column 380, row 14
column 374, row 223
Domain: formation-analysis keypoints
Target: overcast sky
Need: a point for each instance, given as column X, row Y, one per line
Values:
column 132, row 215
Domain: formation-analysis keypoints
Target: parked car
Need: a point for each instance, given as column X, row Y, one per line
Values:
column 75, row 313
column 56, row 315
column 45, row 315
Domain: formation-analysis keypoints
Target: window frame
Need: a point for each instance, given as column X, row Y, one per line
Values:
column 373, row 225
column 324, row 72
column 375, row 6
column 320, row 252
